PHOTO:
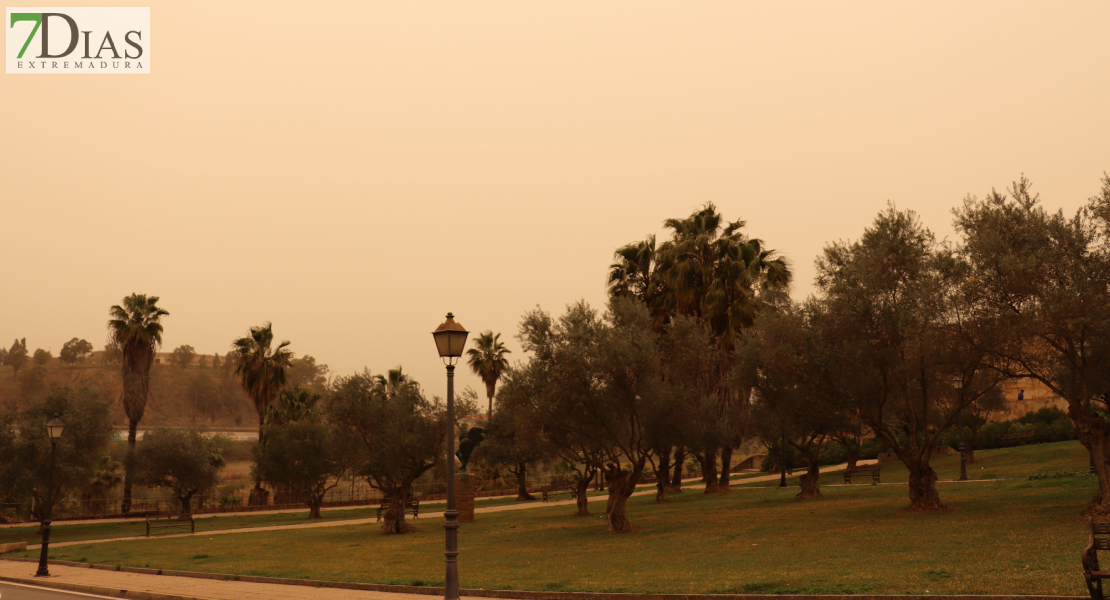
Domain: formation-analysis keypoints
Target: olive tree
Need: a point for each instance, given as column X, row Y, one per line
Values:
column 399, row 434
column 1045, row 277
column 305, row 455
column 25, row 445
column 907, row 339
column 605, row 371
column 184, row 461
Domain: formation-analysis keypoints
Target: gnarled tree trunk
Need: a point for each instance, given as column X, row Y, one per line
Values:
column 726, row 466
column 621, row 486
column 808, row 480
column 663, row 475
column 709, row 470
column 393, row 521
column 1093, row 433
column 522, row 483
column 315, row 500
column 923, row 486
column 582, row 487
column 186, row 501
column 679, row 462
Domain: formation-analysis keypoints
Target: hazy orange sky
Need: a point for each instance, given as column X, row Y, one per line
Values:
column 353, row 171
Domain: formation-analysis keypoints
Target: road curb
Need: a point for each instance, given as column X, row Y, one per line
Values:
column 473, row 593
column 98, row 590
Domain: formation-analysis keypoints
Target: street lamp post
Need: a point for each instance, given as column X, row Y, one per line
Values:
column 450, row 338
column 782, row 461
column 54, row 428
column 958, row 383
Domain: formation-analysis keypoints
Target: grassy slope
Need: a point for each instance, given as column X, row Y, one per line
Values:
column 1012, row 536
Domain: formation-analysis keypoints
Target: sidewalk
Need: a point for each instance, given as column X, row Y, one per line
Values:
column 166, row 587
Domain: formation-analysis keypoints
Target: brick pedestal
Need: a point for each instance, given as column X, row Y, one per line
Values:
column 464, row 497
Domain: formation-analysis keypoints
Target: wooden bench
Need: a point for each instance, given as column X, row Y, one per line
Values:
column 1091, row 572
column 1020, row 438
column 801, row 465
column 170, row 523
column 872, row 470
column 144, row 508
column 413, row 505
column 550, row 493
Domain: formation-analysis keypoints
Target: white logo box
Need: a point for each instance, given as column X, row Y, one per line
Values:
column 78, row 40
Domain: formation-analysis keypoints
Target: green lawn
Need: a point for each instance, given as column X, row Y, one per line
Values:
column 1014, row 536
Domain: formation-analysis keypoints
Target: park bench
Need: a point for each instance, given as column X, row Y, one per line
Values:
column 144, row 508
column 413, row 505
column 1019, row 438
column 1091, row 572
column 546, row 493
column 801, row 465
column 170, row 523
column 872, row 470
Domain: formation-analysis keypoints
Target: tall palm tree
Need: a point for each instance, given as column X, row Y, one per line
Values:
column 487, row 360
column 719, row 275
column 261, row 370
column 134, row 334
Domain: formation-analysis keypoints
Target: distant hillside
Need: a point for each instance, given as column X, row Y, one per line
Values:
column 180, row 396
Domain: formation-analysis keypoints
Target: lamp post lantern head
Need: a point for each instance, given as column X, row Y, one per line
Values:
column 54, row 427
column 450, row 338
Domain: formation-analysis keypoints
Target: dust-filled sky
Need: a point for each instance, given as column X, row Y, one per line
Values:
column 353, row 171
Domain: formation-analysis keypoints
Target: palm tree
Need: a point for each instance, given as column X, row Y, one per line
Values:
column 392, row 382
column 487, row 360
column 719, row 275
column 261, row 370
column 637, row 274
column 134, row 334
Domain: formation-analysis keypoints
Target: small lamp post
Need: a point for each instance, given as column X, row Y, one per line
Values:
column 54, row 428
column 958, row 384
column 450, row 338
column 782, row 460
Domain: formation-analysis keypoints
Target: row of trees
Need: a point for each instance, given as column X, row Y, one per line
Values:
column 907, row 333
column 906, row 337
column 17, row 357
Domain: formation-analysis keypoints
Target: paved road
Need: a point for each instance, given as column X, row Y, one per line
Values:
column 12, row 591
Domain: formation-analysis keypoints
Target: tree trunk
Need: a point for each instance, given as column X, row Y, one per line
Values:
column 808, row 480
column 522, row 483
column 489, row 395
column 621, row 486
column 186, row 505
column 129, row 466
column 663, row 475
column 853, row 456
column 923, row 487
column 393, row 521
column 256, row 493
column 726, row 467
column 679, row 462
column 582, row 486
column 314, row 503
column 709, row 470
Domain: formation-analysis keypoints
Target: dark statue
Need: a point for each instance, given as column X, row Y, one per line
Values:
column 474, row 437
